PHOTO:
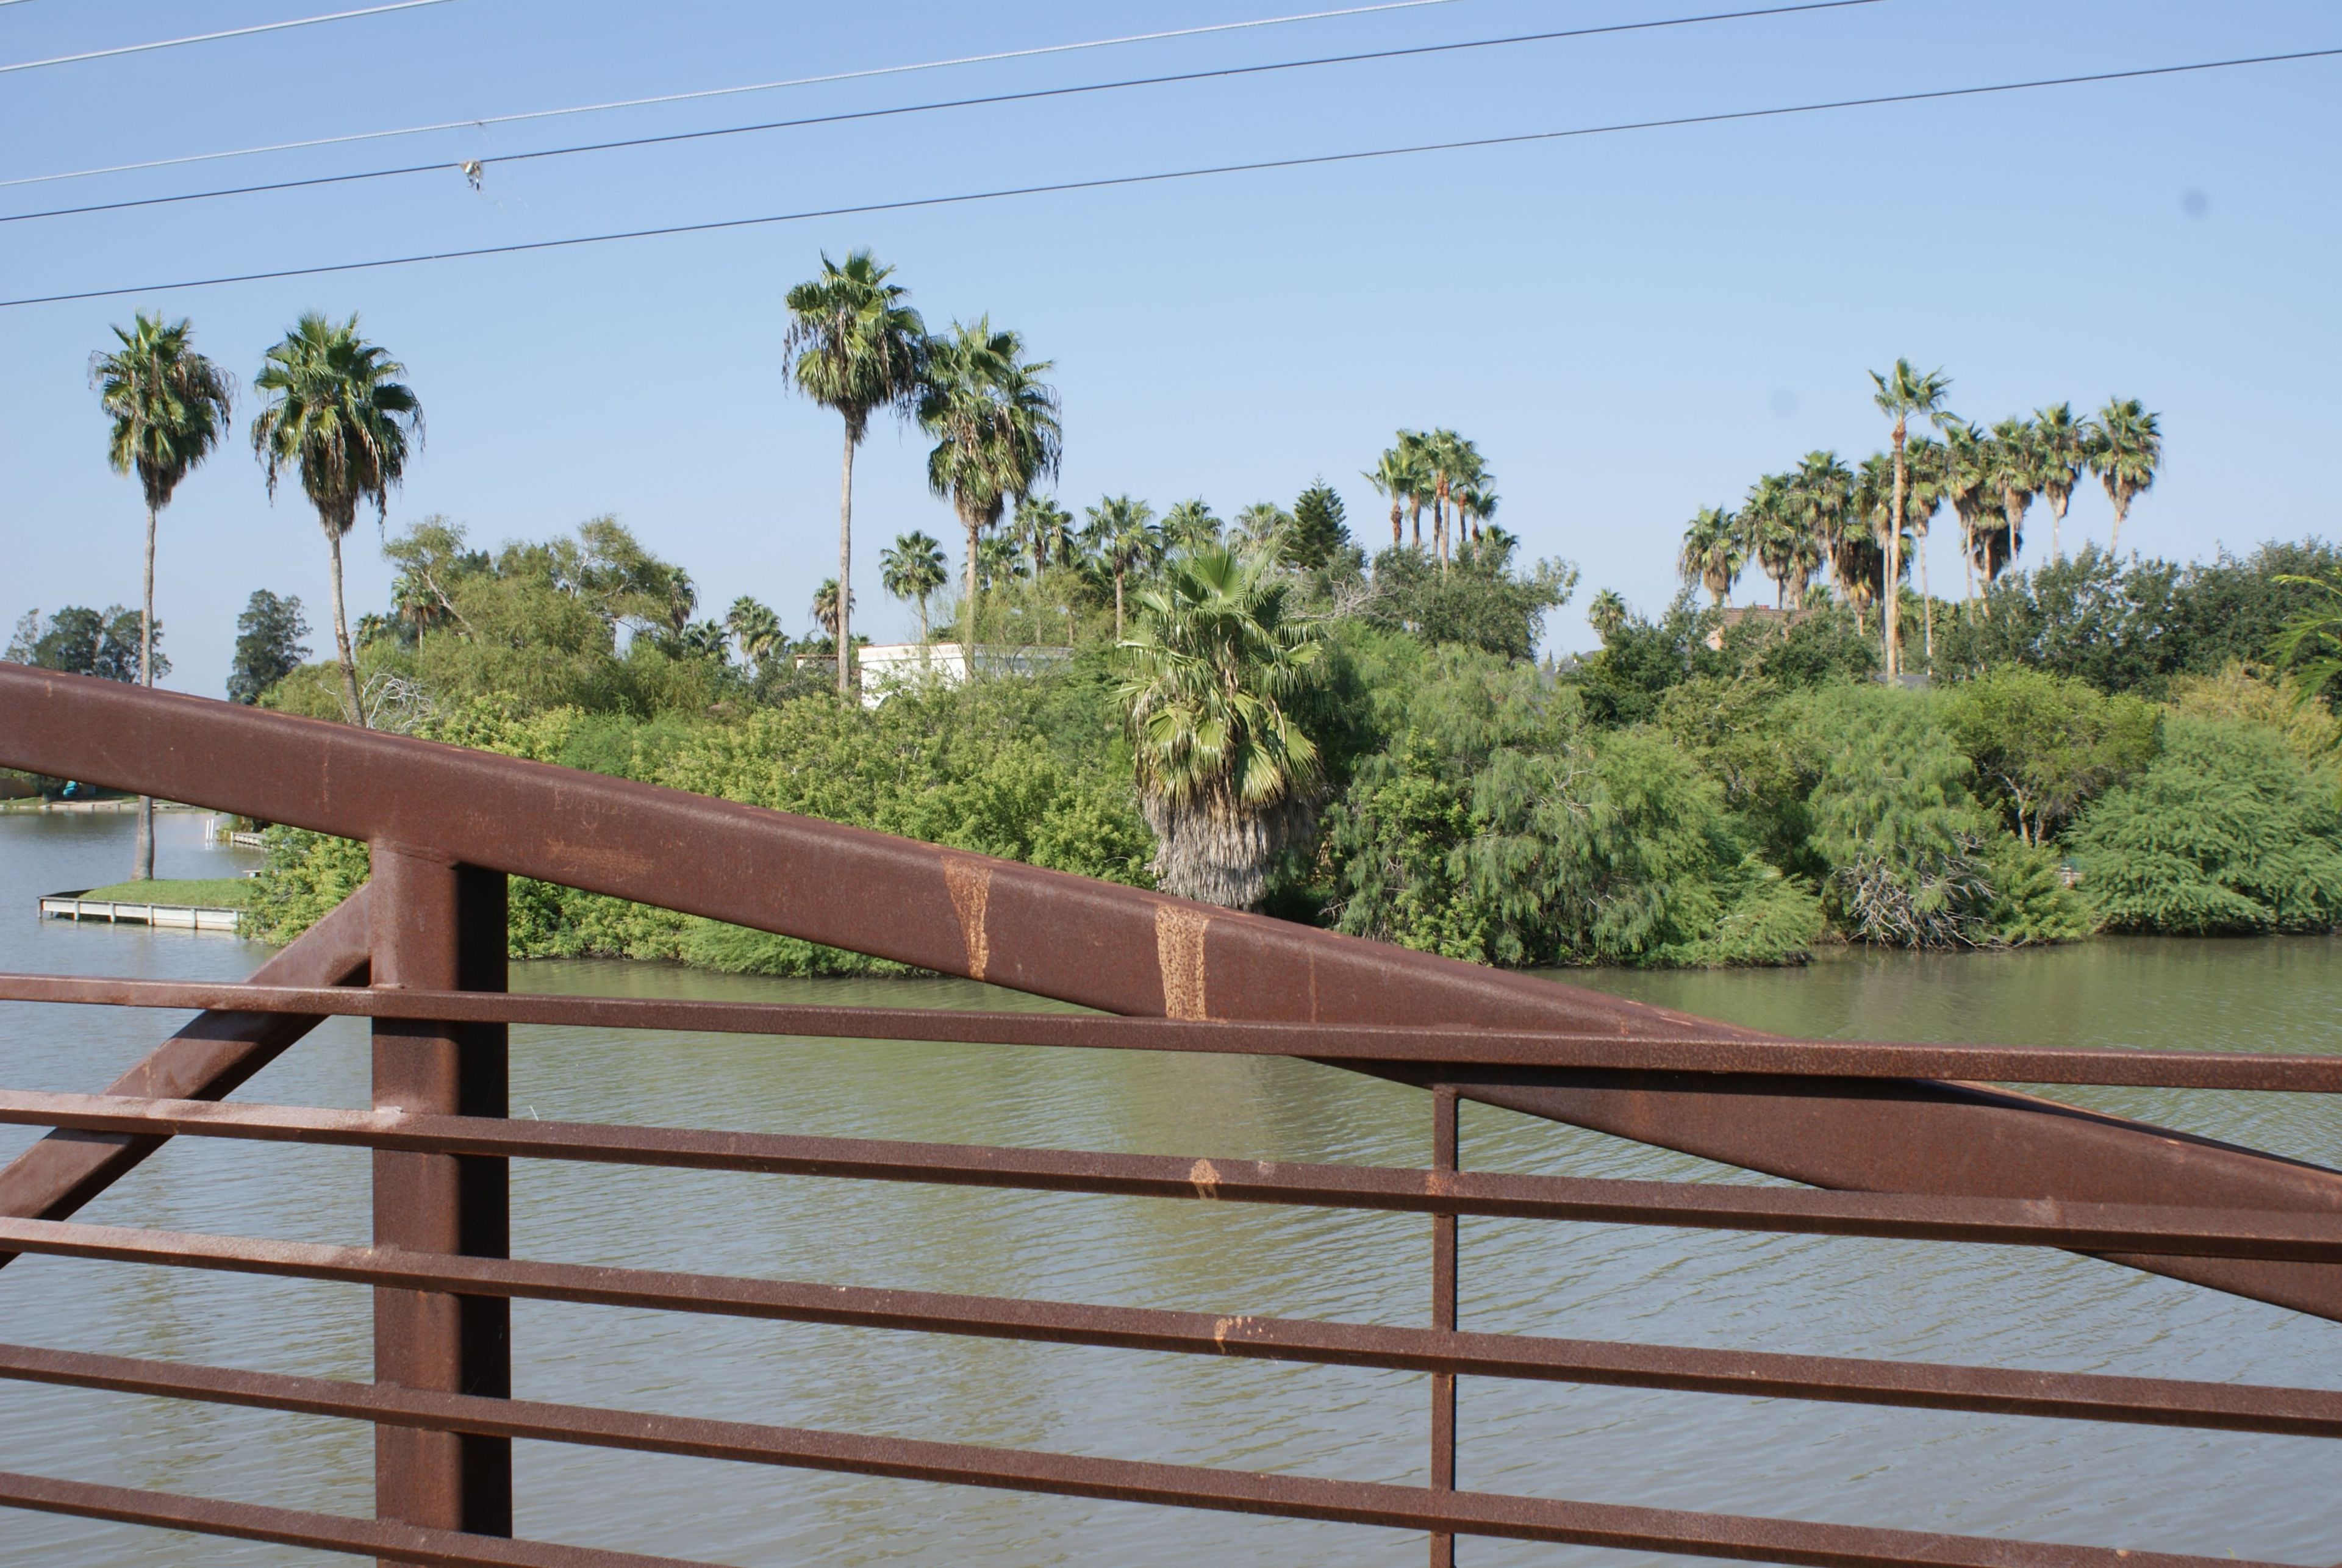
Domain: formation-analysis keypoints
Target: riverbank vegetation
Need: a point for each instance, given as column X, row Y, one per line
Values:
column 1255, row 712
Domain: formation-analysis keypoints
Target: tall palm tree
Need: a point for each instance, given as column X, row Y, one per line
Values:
column 2060, row 450
column 913, row 568
column 168, row 404
column 335, row 413
column 853, row 346
column 1044, row 531
column 1394, row 476
column 1227, row 777
column 1776, row 536
column 1453, row 462
column 1923, row 460
column 2016, row 463
column 754, row 629
column 1901, row 392
column 1967, row 485
column 2124, row 448
column 1821, row 499
column 996, row 434
column 1713, row 554
column 1414, row 449
column 1121, row 533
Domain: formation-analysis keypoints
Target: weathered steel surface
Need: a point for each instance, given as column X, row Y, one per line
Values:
column 2180, row 1230
column 1119, row 949
column 388, row 1542
column 212, row 1056
column 440, row 927
column 2078, row 1396
column 1492, row 1051
column 1450, row 1512
column 1445, row 1135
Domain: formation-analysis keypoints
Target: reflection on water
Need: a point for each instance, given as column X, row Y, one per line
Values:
column 2139, row 1487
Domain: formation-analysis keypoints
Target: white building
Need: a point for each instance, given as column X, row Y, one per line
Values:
column 890, row 667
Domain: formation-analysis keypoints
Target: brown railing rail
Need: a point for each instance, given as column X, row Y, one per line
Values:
column 1889, row 1140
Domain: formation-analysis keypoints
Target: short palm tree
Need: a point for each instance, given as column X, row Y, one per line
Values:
column 1228, row 778
column 2060, row 450
column 1476, row 505
column 2015, row 463
column 1606, row 613
column 1967, row 485
column 755, row 630
column 1395, row 476
column 1901, row 392
column 1775, row 535
column 854, row 346
column 912, row 569
column 1190, row 522
column 168, row 404
column 2125, row 447
column 1264, row 529
column 996, row 434
column 833, row 617
column 1045, row 530
column 1820, row 502
column 1923, row 461
column 1712, row 551
column 336, row 413
column 1122, row 534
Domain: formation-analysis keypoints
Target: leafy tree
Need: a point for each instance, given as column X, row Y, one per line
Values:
column 268, row 645
column 1319, row 536
column 2311, row 643
column 2124, row 447
column 1217, row 659
column 1481, row 603
column 2229, row 831
column 996, row 427
column 913, row 568
column 1713, row 552
column 1122, row 533
column 1901, row 392
column 166, row 404
column 856, row 346
column 79, row 641
column 336, row 413
column 433, row 560
column 2047, row 745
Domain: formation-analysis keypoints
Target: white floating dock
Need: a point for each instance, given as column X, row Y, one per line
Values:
column 118, row 912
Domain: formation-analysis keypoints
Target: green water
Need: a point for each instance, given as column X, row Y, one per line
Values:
column 2125, row 1486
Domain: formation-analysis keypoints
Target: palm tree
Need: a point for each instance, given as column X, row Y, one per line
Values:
column 336, row 414
column 856, row 348
column 1606, row 613
column 1188, row 523
column 754, row 629
column 1045, row 530
column 1773, row 532
column 1121, row 533
column 1227, row 778
column 913, row 568
column 168, row 404
column 2124, row 448
column 1967, row 485
column 829, row 614
column 1713, row 554
column 2015, row 476
column 1923, row 461
column 1413, row 451
column 1901, row 392
column 1453, row 463
column 1264, row 529
column 2060, row 449
column 1821, row 501
column 1394, row 476
column 1475, row 504
column 996, row 428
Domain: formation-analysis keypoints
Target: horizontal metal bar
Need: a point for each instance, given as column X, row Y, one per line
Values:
column 2307, row 1412
column 1473, row 1046
column 1024, row 1470
column 2166, row 1229
column 380, row 1539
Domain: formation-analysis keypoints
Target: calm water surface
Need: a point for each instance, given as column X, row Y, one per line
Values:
column 2267, row 1497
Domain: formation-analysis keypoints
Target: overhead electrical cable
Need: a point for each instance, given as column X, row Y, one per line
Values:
column 212, row 37
column 472, row 169
column 1164, row 175
column 725, row 91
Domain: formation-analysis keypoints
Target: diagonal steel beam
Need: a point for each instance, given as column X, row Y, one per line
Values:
column 208, row 1059
column 1126, row 950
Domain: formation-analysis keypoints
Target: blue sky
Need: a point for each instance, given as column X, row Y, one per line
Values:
column 1632, row 326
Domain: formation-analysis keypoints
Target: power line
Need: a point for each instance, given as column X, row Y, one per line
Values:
column 210, row 37
column 722, row 92
column 1217, row 73
column 1162, row 176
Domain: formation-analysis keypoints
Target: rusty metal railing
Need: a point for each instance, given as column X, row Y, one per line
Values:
column 1891, row 1140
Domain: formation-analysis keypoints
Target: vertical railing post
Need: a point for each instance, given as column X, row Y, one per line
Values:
column 1442, row 1315
column 437, row 926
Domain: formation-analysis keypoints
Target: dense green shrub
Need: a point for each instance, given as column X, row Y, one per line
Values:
column 2043, row 744
column 2229, row 831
